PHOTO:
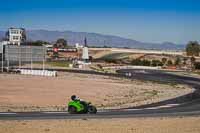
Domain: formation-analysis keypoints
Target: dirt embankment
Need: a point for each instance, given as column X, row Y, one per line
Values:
column 33, row 93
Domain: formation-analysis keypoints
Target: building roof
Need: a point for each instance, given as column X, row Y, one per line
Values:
column 17, row 28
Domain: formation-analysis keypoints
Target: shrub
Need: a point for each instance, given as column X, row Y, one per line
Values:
column 197, row 65
column 108, row 60
column 156, row 63
column 169, row 63
column 177, row 61
column 138, row 62
column 146, row 63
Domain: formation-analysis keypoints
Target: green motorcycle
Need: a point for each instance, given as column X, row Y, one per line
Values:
column 78, row 106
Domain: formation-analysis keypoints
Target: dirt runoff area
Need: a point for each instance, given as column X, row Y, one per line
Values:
column 34, row 93
column 132, row 125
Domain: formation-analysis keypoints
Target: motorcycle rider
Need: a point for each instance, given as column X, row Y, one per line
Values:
column 75, row 98
column 86, row 106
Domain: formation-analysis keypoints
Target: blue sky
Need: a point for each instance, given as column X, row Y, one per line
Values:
column 144, row 20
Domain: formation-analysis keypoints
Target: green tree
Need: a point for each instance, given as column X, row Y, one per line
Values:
column 193, row 48
column 61, row 43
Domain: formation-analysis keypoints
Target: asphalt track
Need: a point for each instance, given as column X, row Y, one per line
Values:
column 188, row 105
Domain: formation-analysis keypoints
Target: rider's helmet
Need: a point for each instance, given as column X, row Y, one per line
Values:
column 73, row 97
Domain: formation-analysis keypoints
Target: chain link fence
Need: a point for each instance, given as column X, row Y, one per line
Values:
column 22, row 56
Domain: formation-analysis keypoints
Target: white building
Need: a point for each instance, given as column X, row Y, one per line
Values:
column 16, row 36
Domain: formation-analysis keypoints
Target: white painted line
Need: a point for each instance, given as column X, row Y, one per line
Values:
column 152, row 108
column 168, row 105
column 55, row 112
column 7, row 113
column 164, row 106
column 132, row 109
column 157, row 107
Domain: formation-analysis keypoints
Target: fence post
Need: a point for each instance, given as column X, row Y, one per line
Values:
column 19, row 54
column 44, row 57
column 2, row 58
column 8, row 58
column 31, row 57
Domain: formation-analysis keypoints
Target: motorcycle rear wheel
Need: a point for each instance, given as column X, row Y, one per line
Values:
column 92, row 110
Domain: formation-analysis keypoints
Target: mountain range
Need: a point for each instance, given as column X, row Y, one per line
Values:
column 95, row 39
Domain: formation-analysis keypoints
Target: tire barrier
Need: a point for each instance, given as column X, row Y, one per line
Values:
column 38, row 72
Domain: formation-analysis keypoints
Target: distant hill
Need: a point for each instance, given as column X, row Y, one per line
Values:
column 95, row 39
